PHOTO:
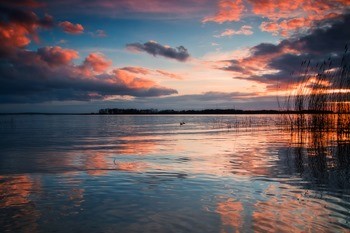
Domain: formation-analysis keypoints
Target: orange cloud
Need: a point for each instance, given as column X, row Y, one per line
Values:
column 56, row 56
column 283, row 17
column 18, row 27
column 71, row 28
column 96, row 62
column 132, row 81
column 286, row 17
column 285, row 27
column 229, row 10
column 14, row 35
column 275, row 9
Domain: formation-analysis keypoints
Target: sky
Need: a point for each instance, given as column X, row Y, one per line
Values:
column 80, row 56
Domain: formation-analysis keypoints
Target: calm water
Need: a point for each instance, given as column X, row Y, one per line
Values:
column 149, row 174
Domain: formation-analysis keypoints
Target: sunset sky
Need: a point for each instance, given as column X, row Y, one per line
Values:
column 80, row 56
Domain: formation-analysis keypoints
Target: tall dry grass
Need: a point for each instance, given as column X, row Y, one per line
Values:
column 321, row 98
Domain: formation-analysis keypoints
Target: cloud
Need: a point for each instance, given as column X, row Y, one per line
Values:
column 98, row 33
column 151, row 47
column 229, row 10
column 131, row 8
column 18, row 27
column 287, row 17
column 71, row 28
column 276, row 64
column 62, row 41
column 49, row 74
column 169, row 75
column 136, row 70
column 96, row 62
column 56, row 56
column 144, row 71
column 23, row 3
column 206, row 100
column 244, row 30
column 29, row 79
column 280, row 17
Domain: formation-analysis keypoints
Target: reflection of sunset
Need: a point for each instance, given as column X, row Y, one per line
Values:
column 15, row 194
column 285, row 211
column 137, row 145
column 15, row 191
column 95, row 163
column 231, row 214
column 228, row 153
column 316, row 140
column 131, row 166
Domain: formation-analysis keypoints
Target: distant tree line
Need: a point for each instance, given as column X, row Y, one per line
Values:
column 131, row 111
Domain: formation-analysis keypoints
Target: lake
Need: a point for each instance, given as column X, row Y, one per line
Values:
column 108, row 173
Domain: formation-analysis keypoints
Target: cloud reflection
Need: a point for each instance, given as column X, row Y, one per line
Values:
column 15, row 200
column 231, row 213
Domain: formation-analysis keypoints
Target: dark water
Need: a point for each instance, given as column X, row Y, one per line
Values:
column 149, row 174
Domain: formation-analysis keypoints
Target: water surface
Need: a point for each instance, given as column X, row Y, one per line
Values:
column 149, row 174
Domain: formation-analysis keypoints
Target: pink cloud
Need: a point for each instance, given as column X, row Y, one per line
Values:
column 281, row 17
column 144, row 71
column 14, row 35
column 57, row 56
column 136, row 70
column 18, row 28
column 131, row 81
column 229, row 10
column 96, row 62
column 275, row 9
column 287, row 26
column 287, row 17
column 71, row 28
column 244, row 30
column 169, row 74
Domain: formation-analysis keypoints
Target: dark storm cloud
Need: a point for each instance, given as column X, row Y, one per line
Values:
column 180, row 53
column 286, row 57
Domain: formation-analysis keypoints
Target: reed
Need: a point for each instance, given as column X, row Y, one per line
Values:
column 324, row 91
